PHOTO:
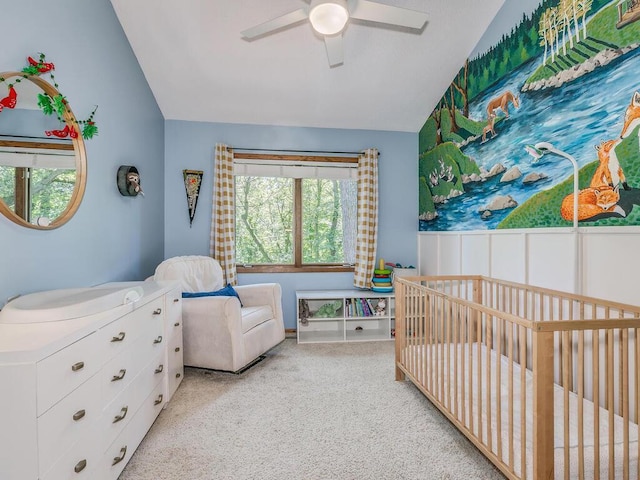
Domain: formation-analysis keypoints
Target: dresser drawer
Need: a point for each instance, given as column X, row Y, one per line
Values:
column 118, row 373
column 152, row 341
column 70, row 418
column 175, row 364
column 120, row 335
column 80, row 462
column 122, row 409
column 120, row 451
column 65, row 370
column 150, row 312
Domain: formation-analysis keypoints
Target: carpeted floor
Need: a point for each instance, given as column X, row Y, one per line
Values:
column 306, row 412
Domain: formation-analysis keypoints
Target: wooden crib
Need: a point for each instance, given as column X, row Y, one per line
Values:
column 545, row 383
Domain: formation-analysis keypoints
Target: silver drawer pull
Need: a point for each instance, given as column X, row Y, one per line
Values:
column 158, row 340
column 158, row 400
column 177, row 349
column 159, row 369
column 123, row 413
column 176, row 300
column 177, row 375
column 177, row 324
column 80, row 466
column 119, row 337
column 123, row 453
column 157, row 311
column 120, row 375
column 78, row 415
column 77, row 366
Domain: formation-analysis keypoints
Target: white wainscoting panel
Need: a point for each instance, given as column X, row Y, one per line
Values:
column 552, row 260
column 449, row 258
column 612, row 266
column 607, row 264
column 475, row 254
column 508, row 257
column 428, row 254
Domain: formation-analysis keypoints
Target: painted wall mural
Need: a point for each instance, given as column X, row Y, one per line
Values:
column 558, row 91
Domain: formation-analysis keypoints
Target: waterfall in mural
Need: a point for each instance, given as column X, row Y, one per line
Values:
column 565, row 76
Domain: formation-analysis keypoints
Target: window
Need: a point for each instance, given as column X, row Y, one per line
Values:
column 296, row 215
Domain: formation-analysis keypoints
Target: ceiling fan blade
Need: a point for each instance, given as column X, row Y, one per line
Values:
column 377, row 12
column 334, row 49
column 283, row 21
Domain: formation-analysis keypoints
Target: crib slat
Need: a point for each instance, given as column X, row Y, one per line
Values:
column 625, row 401
column 637, row 385
column 498, row 393
column 448, row 357
column 580, row 405
column 440, row 340
column 456, row 323
column 510, row 392
column 489, row 341
column 479, row 376
column 596, row 403
column 566, row 413
column 523, row 401
column 469, row 363
column 610, row 405
column 463, row 346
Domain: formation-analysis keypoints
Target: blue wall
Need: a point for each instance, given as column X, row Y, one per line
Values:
column 111, row 237
column 190, row 145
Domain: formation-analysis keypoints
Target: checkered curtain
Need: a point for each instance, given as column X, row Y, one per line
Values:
column 223, row 216
column 367, row 236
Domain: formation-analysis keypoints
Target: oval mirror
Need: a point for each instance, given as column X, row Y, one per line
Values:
column 42, row 168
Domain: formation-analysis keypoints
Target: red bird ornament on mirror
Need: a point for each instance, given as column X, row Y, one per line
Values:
column 67, row 131
column 10, row 100
column 43, row 67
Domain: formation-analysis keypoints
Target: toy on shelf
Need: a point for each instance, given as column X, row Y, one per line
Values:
column 381, row 308
column 381, row 281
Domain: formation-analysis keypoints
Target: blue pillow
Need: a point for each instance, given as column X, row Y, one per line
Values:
column 227, row 291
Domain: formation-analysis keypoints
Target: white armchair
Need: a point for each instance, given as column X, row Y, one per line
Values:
column 218, row 332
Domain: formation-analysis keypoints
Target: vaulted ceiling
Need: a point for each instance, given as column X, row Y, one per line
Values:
column 201, row 69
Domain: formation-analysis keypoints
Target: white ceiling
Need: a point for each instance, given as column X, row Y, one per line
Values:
column 200, row 69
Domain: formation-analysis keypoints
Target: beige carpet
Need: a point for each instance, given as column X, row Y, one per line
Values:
column 306, row 412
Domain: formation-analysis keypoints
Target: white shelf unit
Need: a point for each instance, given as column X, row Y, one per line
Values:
column 343, row 321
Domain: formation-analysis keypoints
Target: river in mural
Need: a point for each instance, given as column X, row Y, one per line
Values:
column 574, row 117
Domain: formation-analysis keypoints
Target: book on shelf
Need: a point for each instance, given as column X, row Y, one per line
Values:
column 365, row 307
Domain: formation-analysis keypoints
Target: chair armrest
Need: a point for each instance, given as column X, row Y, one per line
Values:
column 212, row 332
column 214, row 314
column 262, row 294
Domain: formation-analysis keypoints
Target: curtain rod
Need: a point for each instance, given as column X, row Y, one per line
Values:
column 296, row 151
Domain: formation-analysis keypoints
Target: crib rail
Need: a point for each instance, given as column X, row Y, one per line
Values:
column 501, row 360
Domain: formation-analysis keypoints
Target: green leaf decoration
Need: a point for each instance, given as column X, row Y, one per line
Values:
column 89, row 130
column 44, row 102
column 31, row 70
column 60, row 104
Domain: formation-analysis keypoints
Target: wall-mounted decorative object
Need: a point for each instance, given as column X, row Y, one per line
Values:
column 556, row 73
column 192, row 182
column 128, row 180
column 49, row 103
column 42, row 157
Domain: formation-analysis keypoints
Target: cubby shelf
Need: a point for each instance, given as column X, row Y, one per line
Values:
column 325, row 316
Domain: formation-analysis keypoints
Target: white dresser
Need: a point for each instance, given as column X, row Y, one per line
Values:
column 83, row 375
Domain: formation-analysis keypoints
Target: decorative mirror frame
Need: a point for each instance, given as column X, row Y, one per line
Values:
column 81, row 160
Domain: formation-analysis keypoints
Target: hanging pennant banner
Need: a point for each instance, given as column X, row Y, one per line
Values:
column 192, row 182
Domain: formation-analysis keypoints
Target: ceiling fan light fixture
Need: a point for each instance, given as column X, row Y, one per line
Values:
column 328, row 17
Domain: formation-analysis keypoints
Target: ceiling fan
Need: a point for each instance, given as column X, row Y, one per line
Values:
column 329, row 18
